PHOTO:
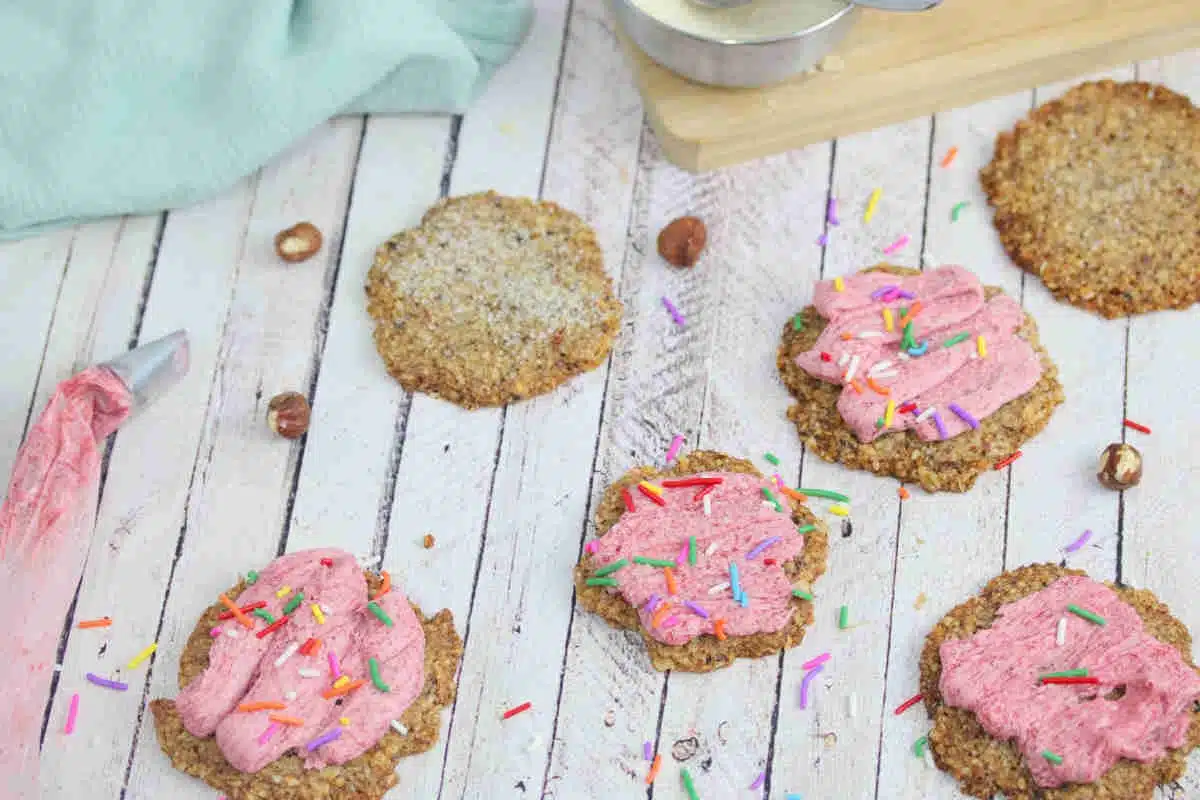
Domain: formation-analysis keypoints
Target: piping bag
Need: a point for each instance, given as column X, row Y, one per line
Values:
column 46, row 526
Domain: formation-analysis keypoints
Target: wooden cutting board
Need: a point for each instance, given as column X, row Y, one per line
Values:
column 899, row 66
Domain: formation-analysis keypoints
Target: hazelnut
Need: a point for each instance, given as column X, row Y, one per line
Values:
column 428, row 541
column 298, row 243
column 682, row 241
column 288, row 414
column 1120, row 466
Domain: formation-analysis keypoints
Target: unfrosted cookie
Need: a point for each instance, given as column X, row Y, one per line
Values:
column 1120, row 722
column 688, row 613
column 492, row 299
column 416, row 658
column 1097, row 193
column 938, row 413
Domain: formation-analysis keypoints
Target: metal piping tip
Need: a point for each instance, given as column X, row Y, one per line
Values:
column 150, row 369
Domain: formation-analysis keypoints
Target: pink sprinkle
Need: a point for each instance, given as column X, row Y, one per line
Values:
column 334, row 669
column 72, row 712
column 896, row 245
column 778, row 481
column 215, row 632
column 682, row 557
column 762, row 776
column 266, row 735
column 815, row 662
column 673, row 450
column 669, row 621
column 592, row 546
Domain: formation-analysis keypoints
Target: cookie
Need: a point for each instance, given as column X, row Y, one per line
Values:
column 700, row 613
column 900, row 414
column 1139, row 693
column 492, row 299
column 1096, row 193
column 370, row 772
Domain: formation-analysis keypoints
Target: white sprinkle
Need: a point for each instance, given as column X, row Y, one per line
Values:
column 289, row 695
column 307, row 672
column 769, row 504
column 903, row 356
column 231, row 633
column 287, row 653
column 878, row 367
column 708, row 511
column 842, row 359
column 325, row 608
column 720, row 587
column 928, row 755
column 1060, row 636
column 869, row 334
column 926, row 414
column 399, row 728
column 712, row 548
column 891, row 373
column 852, row 705
column 852, row 369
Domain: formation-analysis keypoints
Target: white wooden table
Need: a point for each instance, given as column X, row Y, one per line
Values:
column 198, row 490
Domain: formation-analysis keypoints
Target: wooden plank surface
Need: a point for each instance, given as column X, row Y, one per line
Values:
column 198, row 491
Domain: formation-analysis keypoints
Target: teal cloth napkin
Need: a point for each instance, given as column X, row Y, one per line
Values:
column 122, row 106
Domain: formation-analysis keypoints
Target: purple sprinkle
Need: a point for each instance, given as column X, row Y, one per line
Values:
column 324, row 738
column 963, row 415
column 905, row 295
column 831, row 212
column 941, row 426
column 107, row 684
column 648, row 750
column 815, row 662
column 673, row 311
column 266, row 735
column 669, row 622
column 700, row 611
column 762, row 776
column 823, row 240
column 882, row 290
column 1080, row 542
column 652, row 603
column 808, row 676
column 763, row 545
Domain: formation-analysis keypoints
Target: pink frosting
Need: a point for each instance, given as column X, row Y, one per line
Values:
column 740, row 522
column 242, row 667
column 952, row 302
column 994, row 674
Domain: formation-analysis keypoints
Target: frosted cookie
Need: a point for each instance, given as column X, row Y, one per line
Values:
column 321, row 683
column 1051, row 685
column 492, row 299
column 1097, row 193
column 929, row 377
column 708, row 559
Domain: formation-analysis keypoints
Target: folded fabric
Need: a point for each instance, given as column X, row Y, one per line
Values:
column 133, row 107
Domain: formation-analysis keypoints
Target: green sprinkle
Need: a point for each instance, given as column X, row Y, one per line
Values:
column 798, row 323
column 908, row 340
column 264, row 615
column 919, row 746
column 609, row 569
column 1053, row 758
column 774, row 459
column 601, row 581
column 692, row 550
column 294, row 603
column 653, row 562
column 771, row 498
column 879, row 422
column 688, row 785
column 1070, row 673
column 838, row 496
column 954, row 212
column 375, row 678
column 251, row 578
column 844, row 617
column 805, row 529
column 379, row 613
column 803, row 595
column 1088, row 615
column 953, row 340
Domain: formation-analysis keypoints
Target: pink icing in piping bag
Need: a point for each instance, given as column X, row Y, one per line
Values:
column 46, row 525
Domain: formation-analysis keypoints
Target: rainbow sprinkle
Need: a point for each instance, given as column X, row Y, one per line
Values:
column 806, row 681
column 896, row 245
column 673, row 450
column 1078, row 543
column 953, row 340
column 324, row 738
column 812, row 663
column 1053, row 758
column 318, row 614
column 673, row 311
column 379, row 613
column 376, row 678
column 142, row 656
column 251, row 578
column 964, row 415
column 763, row 545
column 844, row 617
column 294, row 603
column 872, row 203
column 72, row 713
column 107, row 684
column 958, row 207
column 981, row 346
column 608, row 569
column 688, row 786
column 1088, row 615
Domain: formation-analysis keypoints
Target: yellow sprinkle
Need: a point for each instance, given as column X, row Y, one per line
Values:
column 887, row 320
column 320, row 615
column 839, row 284
column 651, row 488
column 340, row 682
column 889, row 413
column 874, row 201
column 981, row 346
column 283, row 590
column 345, row 722
column 840, row 511
column 142, row 656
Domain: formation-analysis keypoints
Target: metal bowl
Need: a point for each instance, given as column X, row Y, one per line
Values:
column 732, row 62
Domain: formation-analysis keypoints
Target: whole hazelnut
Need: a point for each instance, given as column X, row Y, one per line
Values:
column 298, row 243
column 1120, row 466
column 682, row 241
column 288, row 414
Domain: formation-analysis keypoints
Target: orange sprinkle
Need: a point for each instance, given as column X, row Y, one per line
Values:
column 672, row 586
column 103, row 622
column 875, row 387
column 660, row 615
column 792, row 493
column 913, row 310
column 847, row 337
column 341, row 690
column 263, row 706
column 948, row 159
column 654, row 767
column 237, row 612
column 284, row 719
column 387, row 584
column 719, row 629
column 856, row 386
column 903, row 493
